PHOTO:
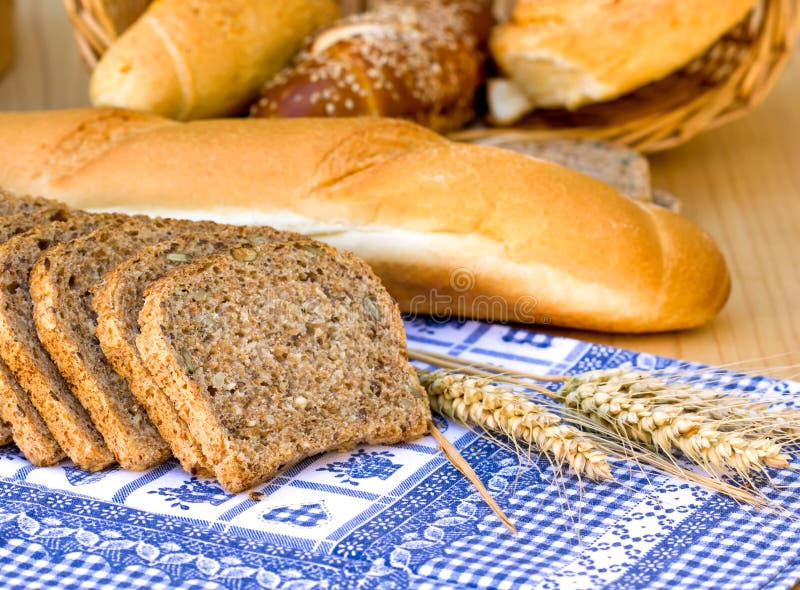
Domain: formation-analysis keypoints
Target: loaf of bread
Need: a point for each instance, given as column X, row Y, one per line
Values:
column 415, row 59
column 452, row 229
column 622, row 167
column 204, row 58
column 566, row 53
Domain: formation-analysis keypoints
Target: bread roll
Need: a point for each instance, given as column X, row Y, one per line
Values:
column 416, row 59
column 203, row 58
column 566, row 53
column 451, row 229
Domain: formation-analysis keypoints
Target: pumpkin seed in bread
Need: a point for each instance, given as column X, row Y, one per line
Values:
column 45, row 414
column 279, row 351
column 117, row 302
column 60, row 286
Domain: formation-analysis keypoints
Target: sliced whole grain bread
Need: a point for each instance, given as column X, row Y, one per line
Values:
column 26, row 427
column 19, row 223
column 279, row 351
column 23, row 425
column 11, row 204
column 60, row 285
column 117, row 301
column 43, row 411
column 5, row 434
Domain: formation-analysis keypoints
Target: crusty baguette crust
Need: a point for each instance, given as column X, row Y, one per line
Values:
column 204, row 58
column 540, row 242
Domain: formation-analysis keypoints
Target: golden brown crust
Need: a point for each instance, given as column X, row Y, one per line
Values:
column 414, row 205
column 189, row 59
column 416, row 59
column 568, row 53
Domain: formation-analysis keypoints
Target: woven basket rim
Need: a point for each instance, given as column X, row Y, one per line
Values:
column 755, row 52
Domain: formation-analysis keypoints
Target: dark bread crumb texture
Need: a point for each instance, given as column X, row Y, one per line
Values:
column 275, row 352
column 43, row 389
column 61, row 288
column 117, row 302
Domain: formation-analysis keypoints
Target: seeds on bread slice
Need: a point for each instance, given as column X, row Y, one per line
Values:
column 117, row 301
column 60, row 285
column 45, row 414
column 279, row 351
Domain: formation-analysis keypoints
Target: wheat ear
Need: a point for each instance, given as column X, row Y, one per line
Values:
column 475, row 400
column 668, row 416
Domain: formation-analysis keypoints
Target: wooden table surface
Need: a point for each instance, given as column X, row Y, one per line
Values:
column 741, row 183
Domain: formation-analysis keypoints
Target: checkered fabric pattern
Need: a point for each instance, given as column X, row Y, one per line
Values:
column 300, row 514
column 402, row 516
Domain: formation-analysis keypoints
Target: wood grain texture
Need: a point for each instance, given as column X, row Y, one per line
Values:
column 740, row 182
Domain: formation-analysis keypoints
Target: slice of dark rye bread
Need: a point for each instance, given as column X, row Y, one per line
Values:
column 117, row 301
column 45, row 416
column 276, row 352
column 60, row 287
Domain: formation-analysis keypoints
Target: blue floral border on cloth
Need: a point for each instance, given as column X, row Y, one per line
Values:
column 401, row 517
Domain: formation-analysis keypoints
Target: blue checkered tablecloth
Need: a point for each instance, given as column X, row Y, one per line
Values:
column 402, row 517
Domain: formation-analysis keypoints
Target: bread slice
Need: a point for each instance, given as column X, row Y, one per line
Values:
column 12, row 204
column 5, row 434
column 25, row 425
column 117, row 301
column 276, row 352
column 60, row 286
column 26, row 212
column 19, row 223
column 45, row 416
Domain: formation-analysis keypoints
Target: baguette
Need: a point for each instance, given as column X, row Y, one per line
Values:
column 204, row 58
column 415, row 59
column 451, row 229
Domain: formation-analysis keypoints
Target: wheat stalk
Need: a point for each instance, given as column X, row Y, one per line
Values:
column 671, row 416
column 475, row 400
column 645, row 417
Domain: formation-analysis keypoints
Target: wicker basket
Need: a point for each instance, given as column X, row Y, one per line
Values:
column 725, row 83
